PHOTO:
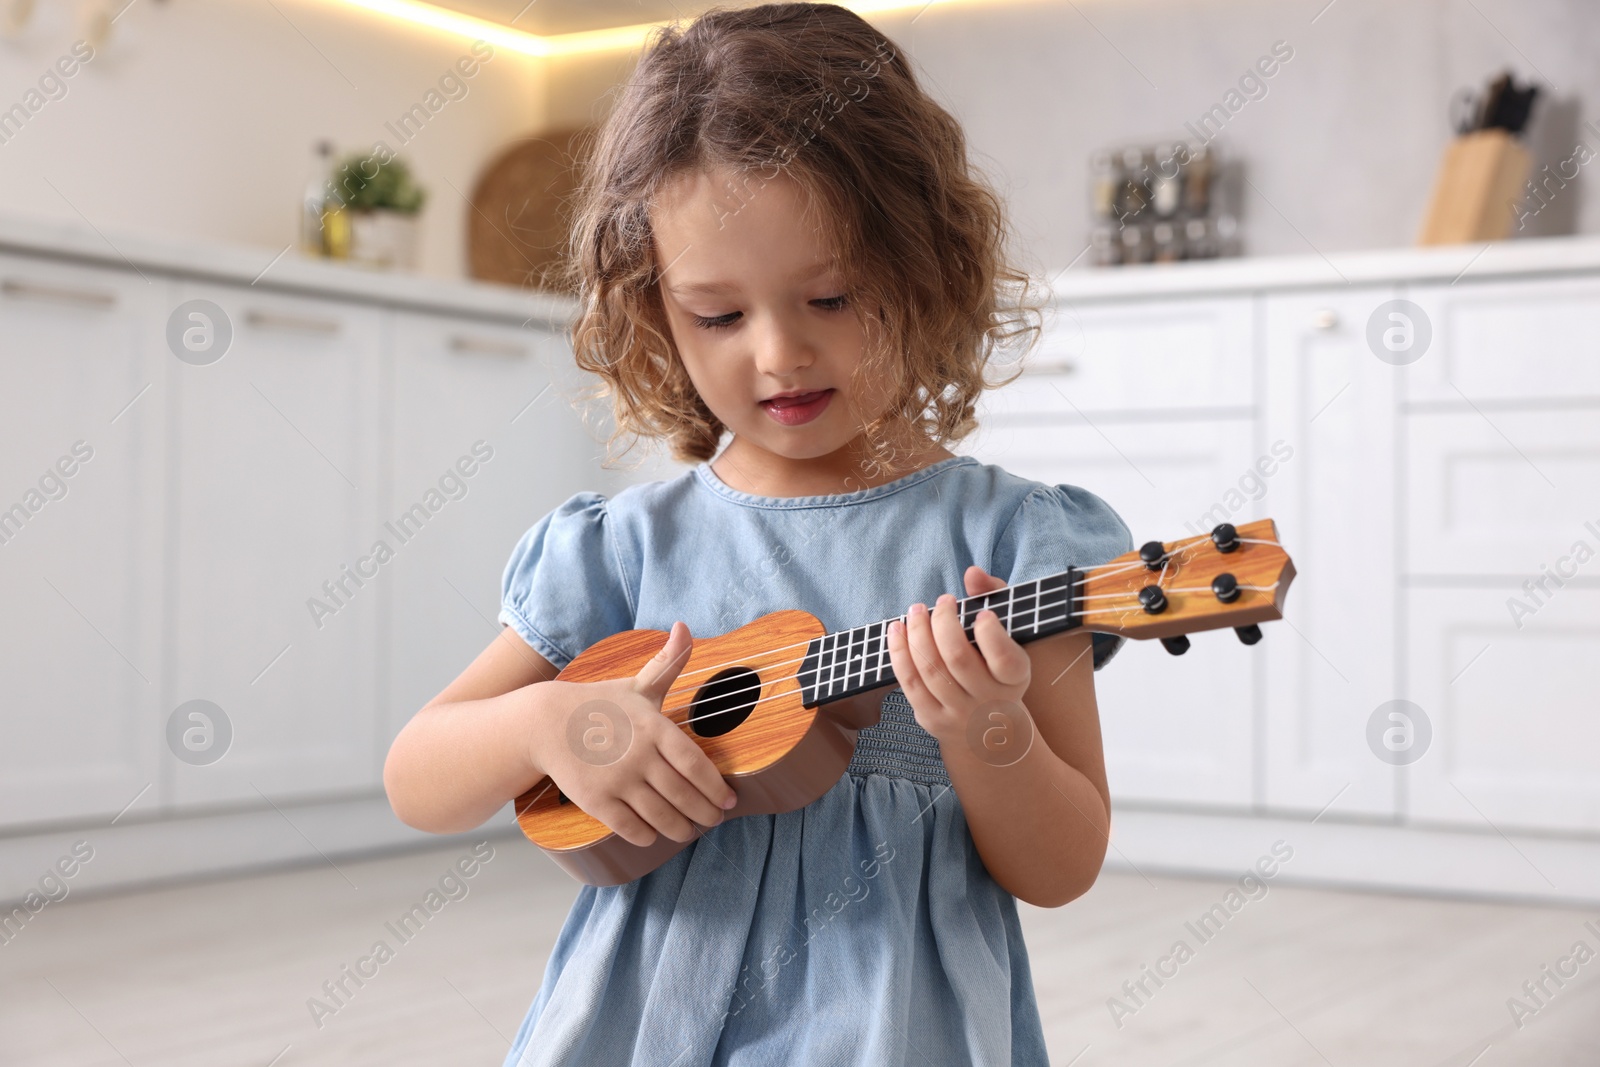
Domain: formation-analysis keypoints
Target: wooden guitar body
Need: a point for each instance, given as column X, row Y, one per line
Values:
column 777, row 757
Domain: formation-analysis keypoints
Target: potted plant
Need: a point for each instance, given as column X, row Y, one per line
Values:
column 381, row 200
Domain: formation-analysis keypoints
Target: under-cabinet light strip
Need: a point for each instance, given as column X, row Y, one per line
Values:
column 533, row 44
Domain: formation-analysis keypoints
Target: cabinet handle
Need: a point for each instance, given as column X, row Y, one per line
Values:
column 12, row 287
column 266, row 320
column 1053, row 366
column 1325, row 319
column 483, row 346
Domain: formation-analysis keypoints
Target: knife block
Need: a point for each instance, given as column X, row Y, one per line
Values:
column 1476, row 191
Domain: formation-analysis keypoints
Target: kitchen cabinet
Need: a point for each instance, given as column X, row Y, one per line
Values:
column 1500, row 493
column 220, row 545
column 82, row 416
column 202, row 455
column 1433, row 437
column 1182, row 354
column 276, row 460
column 481, row 415
column 1500, row 341
column 1511, row 703
column 1332, row 660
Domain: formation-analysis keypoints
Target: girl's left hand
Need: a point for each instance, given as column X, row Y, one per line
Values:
column 942, row 675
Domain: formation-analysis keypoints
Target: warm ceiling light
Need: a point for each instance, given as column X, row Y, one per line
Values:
column 533, row 44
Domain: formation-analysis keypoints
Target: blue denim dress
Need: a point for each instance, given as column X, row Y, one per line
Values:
column 862, row 929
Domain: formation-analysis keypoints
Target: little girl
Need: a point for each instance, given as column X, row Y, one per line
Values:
column 789, row 271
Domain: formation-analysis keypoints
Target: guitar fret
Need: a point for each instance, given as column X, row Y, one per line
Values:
column 829, row 645
column 882, row 645
column 841, row 662
column 853, row 655
column 1024, row 599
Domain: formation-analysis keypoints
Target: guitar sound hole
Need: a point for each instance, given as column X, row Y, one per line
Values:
column 725, row 702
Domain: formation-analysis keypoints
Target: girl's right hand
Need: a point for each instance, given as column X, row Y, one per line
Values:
column 610, row 749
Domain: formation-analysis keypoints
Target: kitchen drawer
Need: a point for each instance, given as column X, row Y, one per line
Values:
column 1170, row 355
column 1510, row 705
column 1527, row 340
column 1500, row 492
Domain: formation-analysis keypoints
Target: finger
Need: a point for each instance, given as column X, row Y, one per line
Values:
column 1007, row 661
column 624, row 822
column 965, row 663
column 930, row 665
column 683, row 794
column 657, row 675
column 690, row 761
column 978, row 581
column 905, row 666
column 656, row 810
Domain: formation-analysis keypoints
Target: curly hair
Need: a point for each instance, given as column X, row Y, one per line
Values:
column 810, row 91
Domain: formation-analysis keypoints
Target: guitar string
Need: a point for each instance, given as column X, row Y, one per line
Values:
column 800, row 687
column 784, row 663
column 778, row 694
column 1104, row 570
column 1091, row 574
column 902, row 618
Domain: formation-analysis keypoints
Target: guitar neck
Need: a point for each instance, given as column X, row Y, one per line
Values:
column 1234, row 577
column 842, row 664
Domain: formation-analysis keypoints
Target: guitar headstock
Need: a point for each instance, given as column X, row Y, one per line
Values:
column 1233, row 576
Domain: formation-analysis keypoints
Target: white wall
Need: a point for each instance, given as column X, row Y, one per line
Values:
column 197, row 118
column 1341, row 150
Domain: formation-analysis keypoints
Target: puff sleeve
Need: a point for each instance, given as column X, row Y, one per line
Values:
column 565, row 586
column 1061, row 526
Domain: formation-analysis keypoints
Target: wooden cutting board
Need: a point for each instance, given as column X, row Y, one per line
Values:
column 517, row 223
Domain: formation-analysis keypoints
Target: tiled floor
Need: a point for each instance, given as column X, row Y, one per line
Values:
column 220, row 974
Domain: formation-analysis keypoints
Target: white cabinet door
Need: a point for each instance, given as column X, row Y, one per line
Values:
column 1333, row 664
column 1502, row 492
column 1513, row 704
column 1492, row 343
column 494, row 400
column 277, row 477
column 82, row 412
column 1175, row 728
column 1165, row 355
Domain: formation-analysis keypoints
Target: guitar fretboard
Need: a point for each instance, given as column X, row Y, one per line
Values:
column 847, row 662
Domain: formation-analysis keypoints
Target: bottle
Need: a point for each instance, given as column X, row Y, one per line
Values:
column 1197, row 181
column 1135, row 193
column 1105, row 180
column 313, row 239
column 1166, row 187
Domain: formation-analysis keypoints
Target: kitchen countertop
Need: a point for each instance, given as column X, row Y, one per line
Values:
column 251, row 265
column 291, row 272
column 1438, row 264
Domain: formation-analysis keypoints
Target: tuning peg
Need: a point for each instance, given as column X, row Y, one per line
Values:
column 1226, row 586
column 1152, row 599
column 1248, row 634
column 1154, row 554
column 1176, row 645
column 1225, row 537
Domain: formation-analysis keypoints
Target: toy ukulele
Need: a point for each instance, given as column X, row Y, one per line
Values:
column 750, row 697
